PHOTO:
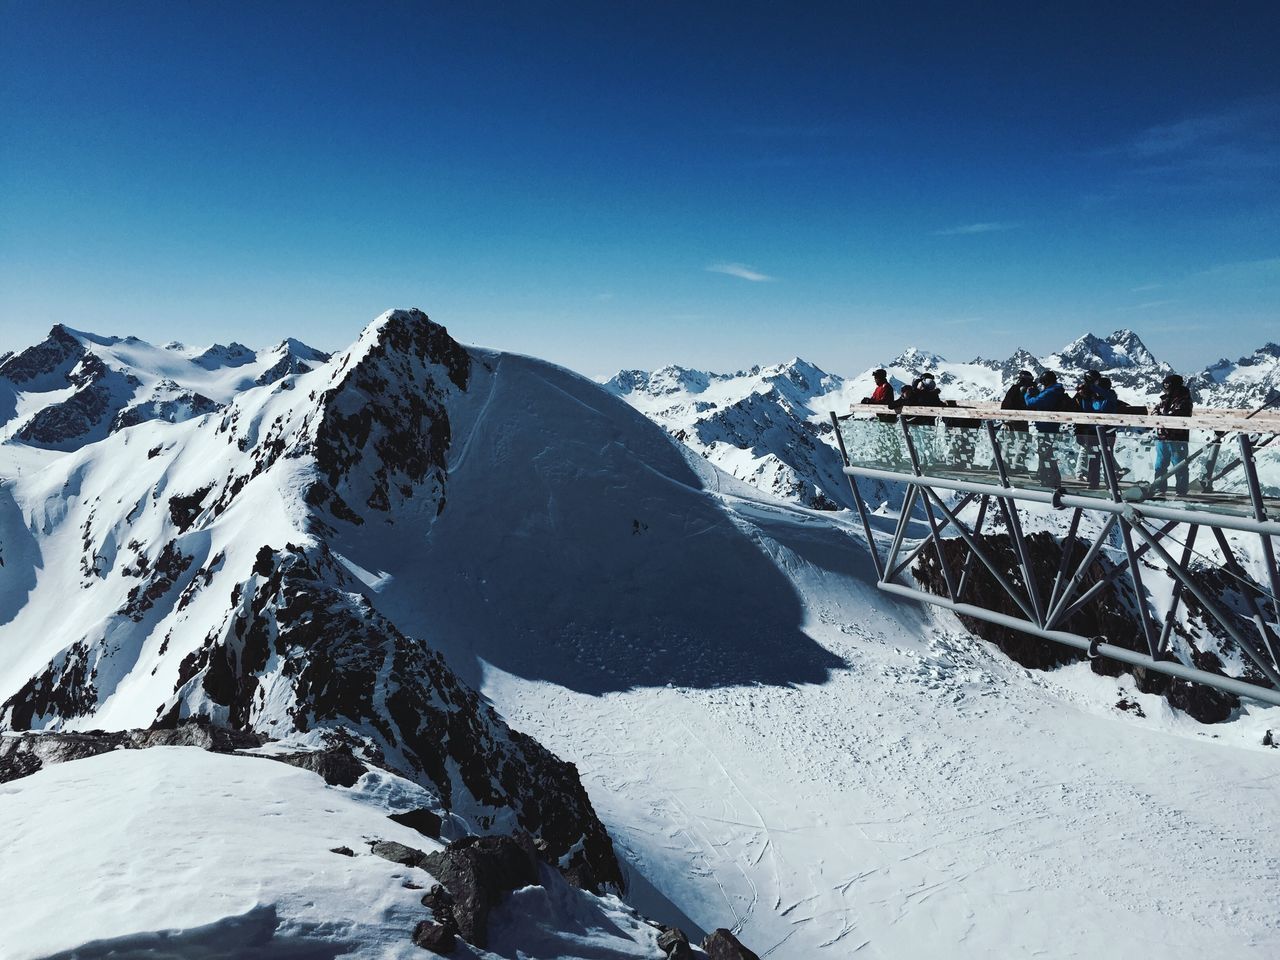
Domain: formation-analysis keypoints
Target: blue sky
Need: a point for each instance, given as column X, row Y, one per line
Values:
column 620, row 184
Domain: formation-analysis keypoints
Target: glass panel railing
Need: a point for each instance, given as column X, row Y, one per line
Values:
column 877, row 443
column 1203, row 472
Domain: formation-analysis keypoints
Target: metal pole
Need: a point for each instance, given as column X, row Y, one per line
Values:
column 1147, row 511
column 1066, row 613
column 1068, row 548
column 1171, row 668
column 1240, row 573
column 1171, row 617
column 1073, row 584
column 981, row 555
column 928, row 512
column 904, row 519
column 915, row 551
column 1135, row 574
column 857, row 501
column 1267, row 669
column 968, row 563
column 1260, row 514
column 1010, row 511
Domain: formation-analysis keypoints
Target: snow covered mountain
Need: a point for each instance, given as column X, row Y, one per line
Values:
column 771, row 426
column 74, row 387
column 414, row 547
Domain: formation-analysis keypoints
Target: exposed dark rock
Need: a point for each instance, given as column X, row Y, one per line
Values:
column 1204, row 703
column 336, row 650
column 674, row 944
column 425, row 821
column 1130, row 706
column 184, row 509
column 1269, row 740
column 1110, row 615
column 23, row 754
column 344, row 851
column 59, row 350
column 434, row 937
column 398, row 853
column 338, row 765
column 722, row 945
column 477, row 872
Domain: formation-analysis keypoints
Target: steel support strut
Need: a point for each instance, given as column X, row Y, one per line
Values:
column 928, row 511
column 1135, row 573
column 1209, row 604
column 1014, row 526
column 857, row 501
column 1260, row 514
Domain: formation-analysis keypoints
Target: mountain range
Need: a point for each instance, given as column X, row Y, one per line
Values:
column 629, row 673
column 770, row 426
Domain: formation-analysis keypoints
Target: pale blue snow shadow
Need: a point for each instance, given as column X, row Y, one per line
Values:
column 249, row 936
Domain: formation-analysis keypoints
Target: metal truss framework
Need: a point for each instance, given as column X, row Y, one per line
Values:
column 1141, row 528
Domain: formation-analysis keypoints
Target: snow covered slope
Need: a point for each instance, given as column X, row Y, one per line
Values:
column 74, row 388
column 175, row 852
column 769, row 740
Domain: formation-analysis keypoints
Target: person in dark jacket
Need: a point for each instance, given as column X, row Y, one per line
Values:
column 1050, row 397
column 1016, row 447
column 1171, row 443
column 882, row 395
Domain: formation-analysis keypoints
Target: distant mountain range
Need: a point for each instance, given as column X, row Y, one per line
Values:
column 770, row 426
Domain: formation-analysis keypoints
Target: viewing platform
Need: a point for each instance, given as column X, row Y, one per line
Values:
column 1157, row 482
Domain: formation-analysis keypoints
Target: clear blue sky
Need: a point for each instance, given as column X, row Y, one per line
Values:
column 608, row 184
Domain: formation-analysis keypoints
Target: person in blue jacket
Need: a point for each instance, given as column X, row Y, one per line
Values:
column 1049, row 397
column 1095, row 396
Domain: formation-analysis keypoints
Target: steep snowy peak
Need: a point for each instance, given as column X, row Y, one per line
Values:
column 913, row 358
column 76, row 387
column 198, row 557
column 1122, row 350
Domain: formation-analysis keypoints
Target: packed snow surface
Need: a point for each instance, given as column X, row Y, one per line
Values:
column 173, row 852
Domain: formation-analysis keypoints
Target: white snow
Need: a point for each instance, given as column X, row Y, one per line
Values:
column 175, row 852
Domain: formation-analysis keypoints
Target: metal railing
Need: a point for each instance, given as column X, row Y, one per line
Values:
column 1224, row 476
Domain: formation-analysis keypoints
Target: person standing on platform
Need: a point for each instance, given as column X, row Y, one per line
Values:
column 1050, row 397
column 882, row 395
column 1171, row 443
column 1016, row 446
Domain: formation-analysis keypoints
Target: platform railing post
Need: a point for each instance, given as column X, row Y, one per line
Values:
column 857, row 500
column 1260, row 514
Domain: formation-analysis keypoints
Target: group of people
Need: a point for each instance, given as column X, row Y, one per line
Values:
column 1093, row 394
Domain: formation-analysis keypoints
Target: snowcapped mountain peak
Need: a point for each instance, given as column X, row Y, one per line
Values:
column 225, row 355
column 1122, row 350
column 914, row 358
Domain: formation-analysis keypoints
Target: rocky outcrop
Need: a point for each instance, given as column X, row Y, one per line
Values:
column 22, row 754
column 721, row 944
column 475, row 873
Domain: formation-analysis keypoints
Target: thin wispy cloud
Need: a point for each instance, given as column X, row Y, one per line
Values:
column 741, row 271
column 1245, row 270
column 967, row 229
column 1146, row 288
column 1237, row 145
